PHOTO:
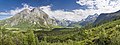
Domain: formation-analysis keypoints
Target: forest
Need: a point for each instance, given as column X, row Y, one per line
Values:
column 105, row 34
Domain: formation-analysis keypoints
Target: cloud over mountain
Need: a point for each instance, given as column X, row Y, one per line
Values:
column 61, row 14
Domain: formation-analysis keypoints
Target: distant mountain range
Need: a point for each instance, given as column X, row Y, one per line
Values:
column 89, row 19
column 64, row 23
column 36, row 18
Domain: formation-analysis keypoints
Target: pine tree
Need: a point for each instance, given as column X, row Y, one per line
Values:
column 31, row 37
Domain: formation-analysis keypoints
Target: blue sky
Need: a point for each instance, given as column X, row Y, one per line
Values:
column 6, row 5
column 74, row 10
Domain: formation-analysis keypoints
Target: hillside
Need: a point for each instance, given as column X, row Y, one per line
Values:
column 101, row 35
column 107, row 17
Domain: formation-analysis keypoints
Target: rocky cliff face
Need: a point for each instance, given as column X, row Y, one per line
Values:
column 34, row 17
column 89, row 19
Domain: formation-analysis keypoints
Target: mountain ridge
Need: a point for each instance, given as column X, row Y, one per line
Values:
column 107, row 17
column 29, row 18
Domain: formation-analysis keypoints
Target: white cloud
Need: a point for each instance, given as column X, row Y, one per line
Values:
column 61, row 14
column 102, row 6
column 94, row 6
column 17, row 10
column 74, row 15
column 4, row 13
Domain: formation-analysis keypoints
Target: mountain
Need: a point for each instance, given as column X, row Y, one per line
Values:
column 68, row 23
column 89, row 19
column 64, row 23
column 30, row 18
column 107, row 17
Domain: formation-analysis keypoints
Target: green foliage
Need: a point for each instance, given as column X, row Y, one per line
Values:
column 106, row 34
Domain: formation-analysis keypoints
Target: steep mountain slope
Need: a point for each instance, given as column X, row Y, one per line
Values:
column 107, row 17
column 89, row 19
column 29, row 18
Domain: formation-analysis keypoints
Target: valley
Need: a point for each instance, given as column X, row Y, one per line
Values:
column 100, row 35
